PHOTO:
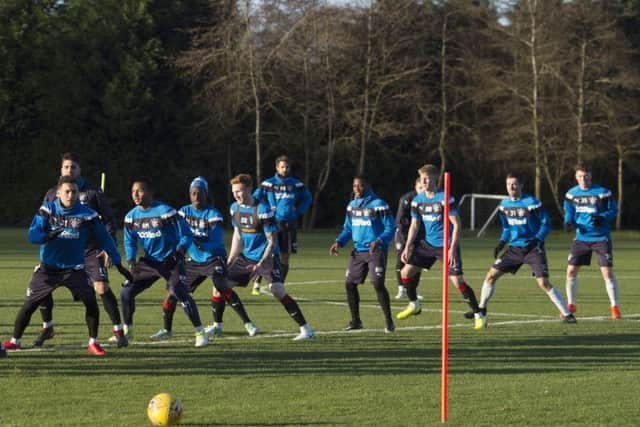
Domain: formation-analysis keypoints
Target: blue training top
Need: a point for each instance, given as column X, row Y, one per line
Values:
column 160, row 230
column 367, row 219
column 288, row 196
column 430, row 210
column 206, row 226
column 253, row 222
column 80, row 223
column 580, row 206
column 523, row 220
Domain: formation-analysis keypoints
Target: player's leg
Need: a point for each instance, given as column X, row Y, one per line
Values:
column 377, row 266
column 144, row 274
column 410, row 275
column 47, row 332
column 556, row 298
column 604, row 250
column 291, row 306
column 224, row 288
column 175, row 276
column 41, row 285
column 402, row 291
column 76, row 282
column 356, row 274
column 488, row 287
column 579, row 255
column 99, row 276
column 288, row 244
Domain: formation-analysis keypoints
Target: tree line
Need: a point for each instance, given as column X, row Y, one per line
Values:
column 173, row 89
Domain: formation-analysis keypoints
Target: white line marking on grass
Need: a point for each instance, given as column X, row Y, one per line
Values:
column 213, row 341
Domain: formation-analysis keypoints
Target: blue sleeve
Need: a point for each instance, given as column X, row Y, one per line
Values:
column 545, row 225
column 569, row 211
column 611, row 210
column 260, row 195
column 130, row 244
column 106, row 241
column 505, row 236
column 389, row 228
column 184, row 231
column 345, row 235
column 305, row 201
column 38, row 230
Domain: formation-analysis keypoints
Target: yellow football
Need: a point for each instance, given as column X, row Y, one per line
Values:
column 164, row 410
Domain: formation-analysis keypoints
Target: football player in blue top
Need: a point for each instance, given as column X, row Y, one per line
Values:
column 62, row 228
column 165, row 237
column 428, row 208
column 525, row 225
column 290, row 199
column 589, row 209
column 208, row 259
column 370, row 224
column 254, row 249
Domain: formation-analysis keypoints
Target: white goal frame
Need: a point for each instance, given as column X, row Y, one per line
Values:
column 473, row 197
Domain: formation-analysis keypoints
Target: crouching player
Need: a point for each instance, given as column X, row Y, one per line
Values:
column 254, row 249
column 208, row 259
column 62, row 228
column 165, row 237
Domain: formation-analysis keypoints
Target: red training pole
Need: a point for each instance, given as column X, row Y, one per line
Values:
column 445, row 299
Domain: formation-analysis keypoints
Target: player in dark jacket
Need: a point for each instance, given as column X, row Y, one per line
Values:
column 96, row 260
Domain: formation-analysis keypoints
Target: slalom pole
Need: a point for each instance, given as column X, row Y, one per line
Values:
column 103, row 178
column 445, row 299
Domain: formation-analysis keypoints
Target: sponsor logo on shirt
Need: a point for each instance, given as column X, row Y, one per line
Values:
column 149, row 234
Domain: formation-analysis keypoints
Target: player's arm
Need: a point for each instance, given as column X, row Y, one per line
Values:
column 236, row 246
column 130, row 245
column 545, row 224
column 106, row 213
column 411, row 236
column 271, row 243
column 304, row 201
column 105, row 240
column 389, row 228
column 186, row 236
column 40, row 230
column 344, row 236
column 610, row 209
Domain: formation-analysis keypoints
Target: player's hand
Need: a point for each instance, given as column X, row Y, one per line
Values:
column 53, row 234
column 452, row 256
column 569, row 226
column 374, row 246
column 333, row 249
column 107, row 259
column 404, row 256
column 598, row 220
column 126, row 273
column 498, row 248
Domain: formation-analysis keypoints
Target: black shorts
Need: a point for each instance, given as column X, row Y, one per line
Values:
column 46, row 279
column 147, row 271
column 95, row 267
column 361, row 263
column 241, row 271
column 424, row 255
column 515, row 256
column 287, row 237
column 215, row 269
column 581, row 253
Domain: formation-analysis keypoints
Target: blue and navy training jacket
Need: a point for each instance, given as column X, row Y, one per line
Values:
column 80, row 223
column 206, row 226
column 159, row 229
column 430, row 210
column 288, row 196
column 581, row 205
column 367, row 219
column 253, row 222
column 523, row 220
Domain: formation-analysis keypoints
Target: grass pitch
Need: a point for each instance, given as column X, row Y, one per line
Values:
column 527, row 368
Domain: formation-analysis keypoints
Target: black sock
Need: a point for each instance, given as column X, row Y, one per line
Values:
column 292, row 308
column 234, row 300
column 385, row 304
column 353, row 299
column 46, row 308
column 92, row 317
column 470, row 297
column 111, row 306
column 412, row 288
column 284, row 269
column 217, row 307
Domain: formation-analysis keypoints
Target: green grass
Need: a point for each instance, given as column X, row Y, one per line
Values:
column 527, row 368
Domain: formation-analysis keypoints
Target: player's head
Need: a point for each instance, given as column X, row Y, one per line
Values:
column 241, row 188
column 70, row 165
column 67, row 191
column 142, row 192
column 360, row 186
column 198, row 192
column 583, row 175
column 283, row 166
column 429, row 177
column 514, row 185
column 418, row 185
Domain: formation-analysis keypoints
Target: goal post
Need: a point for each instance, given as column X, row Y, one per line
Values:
column 473, row 211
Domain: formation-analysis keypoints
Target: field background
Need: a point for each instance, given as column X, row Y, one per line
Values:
column 527, row 368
